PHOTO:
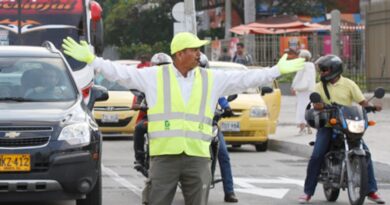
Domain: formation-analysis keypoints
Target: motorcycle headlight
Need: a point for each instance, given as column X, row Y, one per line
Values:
column 356, row 126
column 257, row 111
column 76, row 134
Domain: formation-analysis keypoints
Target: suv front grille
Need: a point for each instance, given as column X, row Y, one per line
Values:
column 26, row 142
column 20, row 129
column 24, row 136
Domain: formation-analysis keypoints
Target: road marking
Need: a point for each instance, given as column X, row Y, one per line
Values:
column 247, row 186
column 115, row 176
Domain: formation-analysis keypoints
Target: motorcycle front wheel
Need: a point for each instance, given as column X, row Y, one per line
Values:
column 331, row 194
column 357, row 179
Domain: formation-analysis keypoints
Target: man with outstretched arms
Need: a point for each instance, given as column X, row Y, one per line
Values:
column 181, row 98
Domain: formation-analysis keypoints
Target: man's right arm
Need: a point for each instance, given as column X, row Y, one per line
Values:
column 126, row 76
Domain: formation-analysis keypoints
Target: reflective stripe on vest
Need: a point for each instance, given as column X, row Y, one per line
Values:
column 174, row 127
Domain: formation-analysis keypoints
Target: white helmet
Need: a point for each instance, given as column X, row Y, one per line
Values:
column 161, row 59
column 203, row 61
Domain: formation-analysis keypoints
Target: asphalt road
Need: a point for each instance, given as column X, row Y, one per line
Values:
column 260, row 178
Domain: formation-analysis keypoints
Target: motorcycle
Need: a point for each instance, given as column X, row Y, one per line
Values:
column 345, row 163
column 214, row 145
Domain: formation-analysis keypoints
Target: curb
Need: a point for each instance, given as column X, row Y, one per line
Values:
column 301, row 150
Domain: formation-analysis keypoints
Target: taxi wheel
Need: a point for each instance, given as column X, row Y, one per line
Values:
column 262, row 147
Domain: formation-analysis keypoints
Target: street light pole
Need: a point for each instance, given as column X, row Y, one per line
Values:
column 335, row 31
column 189, row 16
column 228, row 18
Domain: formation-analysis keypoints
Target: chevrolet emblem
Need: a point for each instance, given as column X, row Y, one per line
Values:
column 12, row 135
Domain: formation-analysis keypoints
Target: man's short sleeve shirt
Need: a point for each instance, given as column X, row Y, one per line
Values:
column 344, row 92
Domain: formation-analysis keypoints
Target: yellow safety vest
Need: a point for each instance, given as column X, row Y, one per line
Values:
column 174, row 127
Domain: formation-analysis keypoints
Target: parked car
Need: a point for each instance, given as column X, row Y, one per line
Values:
column 50, row 145
column 256, row 113
column 114, row 116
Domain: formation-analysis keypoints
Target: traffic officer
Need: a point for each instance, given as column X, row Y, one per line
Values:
column 181, row 98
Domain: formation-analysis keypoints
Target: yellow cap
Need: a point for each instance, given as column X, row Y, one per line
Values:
column 185, row 40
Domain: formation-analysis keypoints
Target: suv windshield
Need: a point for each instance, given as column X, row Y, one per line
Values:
column 35, row 79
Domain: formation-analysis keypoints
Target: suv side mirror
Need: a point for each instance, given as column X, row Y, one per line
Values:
column 98, row 93
column 266, row 90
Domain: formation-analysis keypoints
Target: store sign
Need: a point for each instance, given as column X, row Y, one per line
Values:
column 293, row 42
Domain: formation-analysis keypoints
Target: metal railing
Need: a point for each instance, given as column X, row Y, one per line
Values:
column 266, row 51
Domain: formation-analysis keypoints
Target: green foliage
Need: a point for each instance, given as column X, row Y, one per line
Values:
column 213, row 33
column 303, row 7
column 138, row 28
column 134, row 50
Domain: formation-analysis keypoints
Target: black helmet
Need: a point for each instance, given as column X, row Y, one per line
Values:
column 331, row 62
column 316, row 119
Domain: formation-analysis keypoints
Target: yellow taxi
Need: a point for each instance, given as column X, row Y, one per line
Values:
column 256, row 113
column 114, row 116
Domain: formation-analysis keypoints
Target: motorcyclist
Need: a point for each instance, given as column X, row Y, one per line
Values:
column 141, row 122
column 223, row 155
column 333, row 87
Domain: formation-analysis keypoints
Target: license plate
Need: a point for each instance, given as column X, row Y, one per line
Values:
column 15, row 162
column 230, row 126
column 110, row 118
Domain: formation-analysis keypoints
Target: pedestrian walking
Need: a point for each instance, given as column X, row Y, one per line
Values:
column 181, row 99
column 302, row 86
column 241, row 56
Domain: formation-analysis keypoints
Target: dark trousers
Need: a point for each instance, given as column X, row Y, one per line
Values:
column 224, row 165
column 321, row 146
column 139, row 140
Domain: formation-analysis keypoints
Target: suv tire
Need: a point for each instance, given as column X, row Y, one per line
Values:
column 95, row 196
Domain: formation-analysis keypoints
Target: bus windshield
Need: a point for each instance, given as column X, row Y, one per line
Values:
column 42, row 20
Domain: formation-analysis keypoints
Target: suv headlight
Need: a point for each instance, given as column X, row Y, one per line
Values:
column 76, row 134
column 257, row 111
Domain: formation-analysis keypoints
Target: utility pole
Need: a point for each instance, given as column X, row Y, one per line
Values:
column 228, row 18
column 249, row 17
column 335, row 32
column 189, row 16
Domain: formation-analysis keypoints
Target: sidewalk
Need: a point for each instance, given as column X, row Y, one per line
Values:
column 377, row 137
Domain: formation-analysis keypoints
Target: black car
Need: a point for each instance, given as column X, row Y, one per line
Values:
column 50, row 146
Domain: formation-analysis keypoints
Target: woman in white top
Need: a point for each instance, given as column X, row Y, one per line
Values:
column 302, row 86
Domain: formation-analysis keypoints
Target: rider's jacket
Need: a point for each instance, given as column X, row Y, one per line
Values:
column 175, row 127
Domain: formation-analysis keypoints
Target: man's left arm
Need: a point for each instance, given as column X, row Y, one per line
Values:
column 233, row 82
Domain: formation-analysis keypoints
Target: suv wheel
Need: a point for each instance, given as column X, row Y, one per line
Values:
column 95, row 196
column 262, row 147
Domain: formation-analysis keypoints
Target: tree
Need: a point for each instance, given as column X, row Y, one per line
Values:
column 137, row 27
column 301, row 7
